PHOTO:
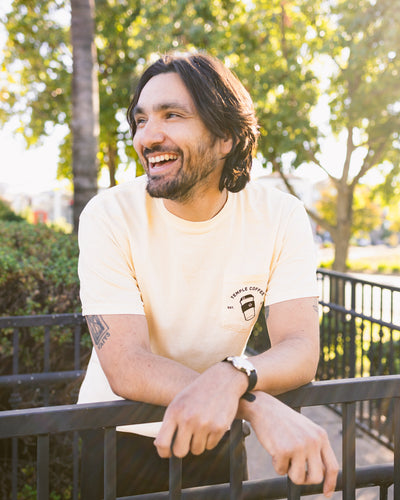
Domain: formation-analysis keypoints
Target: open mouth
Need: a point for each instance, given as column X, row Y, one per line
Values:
column 161, row 160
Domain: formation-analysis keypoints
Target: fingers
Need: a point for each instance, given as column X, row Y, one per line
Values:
column 178, row 438
column 310, row 462
column 331, row 469
column 166, row 438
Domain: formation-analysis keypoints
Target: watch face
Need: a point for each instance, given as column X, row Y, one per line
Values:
column 242, row 363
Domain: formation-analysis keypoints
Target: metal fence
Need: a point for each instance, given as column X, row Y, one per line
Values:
column 360, row 337
column 45, row 422
column 44, row 362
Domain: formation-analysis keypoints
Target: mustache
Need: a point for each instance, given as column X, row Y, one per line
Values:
column 160, row 149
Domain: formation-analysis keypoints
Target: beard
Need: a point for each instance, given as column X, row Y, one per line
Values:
column 193, row 172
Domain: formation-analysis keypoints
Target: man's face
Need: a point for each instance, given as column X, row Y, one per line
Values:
column 177, row 151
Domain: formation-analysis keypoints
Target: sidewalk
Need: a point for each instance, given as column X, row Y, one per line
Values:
column 368, row 452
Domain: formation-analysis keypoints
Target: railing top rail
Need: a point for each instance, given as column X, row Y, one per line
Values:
column 109, row 414
column 41, row 320
column 356, row 279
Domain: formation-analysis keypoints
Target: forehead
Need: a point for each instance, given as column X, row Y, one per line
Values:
column 162, row 89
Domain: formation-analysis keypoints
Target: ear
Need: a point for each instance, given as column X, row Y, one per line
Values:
column 226, row 144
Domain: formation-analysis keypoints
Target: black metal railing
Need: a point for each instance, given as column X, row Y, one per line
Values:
column 43, row 366
column 360, row 337
column 44, row 422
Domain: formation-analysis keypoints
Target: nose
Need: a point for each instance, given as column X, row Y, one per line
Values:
column 149, row 134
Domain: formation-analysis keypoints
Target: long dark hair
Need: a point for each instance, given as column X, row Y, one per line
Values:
column 223, row 104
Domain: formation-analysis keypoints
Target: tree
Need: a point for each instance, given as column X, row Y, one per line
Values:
column 363, row 51
column 38, row 64
column 85, row 105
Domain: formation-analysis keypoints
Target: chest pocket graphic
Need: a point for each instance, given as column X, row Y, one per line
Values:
column 242, row 300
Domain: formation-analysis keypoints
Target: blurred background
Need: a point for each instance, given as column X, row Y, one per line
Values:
column 323, row 74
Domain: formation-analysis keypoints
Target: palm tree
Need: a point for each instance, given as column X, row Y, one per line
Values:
column 85, row 105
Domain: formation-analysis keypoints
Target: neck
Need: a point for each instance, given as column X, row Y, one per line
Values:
column 199, row 208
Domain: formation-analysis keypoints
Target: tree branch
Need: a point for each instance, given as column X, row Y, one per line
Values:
column 319, row 220
column 368, row 164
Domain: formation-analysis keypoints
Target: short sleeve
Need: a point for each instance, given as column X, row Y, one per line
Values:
column 106, row 271
column 293, row 268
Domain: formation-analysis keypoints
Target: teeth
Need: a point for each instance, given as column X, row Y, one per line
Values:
column 166, row 157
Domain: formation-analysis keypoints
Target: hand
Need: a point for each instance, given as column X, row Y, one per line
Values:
column 299, row 447
column 199, row 416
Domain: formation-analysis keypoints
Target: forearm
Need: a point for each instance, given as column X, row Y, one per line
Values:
column 287, row 365
column 147, row 377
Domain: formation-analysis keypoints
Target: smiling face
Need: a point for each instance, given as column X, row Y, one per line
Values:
column 177, row 151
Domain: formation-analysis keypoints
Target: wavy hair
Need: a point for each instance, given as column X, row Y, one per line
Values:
column 224, row 106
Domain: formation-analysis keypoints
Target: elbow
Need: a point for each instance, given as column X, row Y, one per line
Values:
column 310, row 368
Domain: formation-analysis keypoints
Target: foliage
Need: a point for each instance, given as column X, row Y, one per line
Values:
column 367, row 211
column 362, row 56
column 262, row 42
column 7, row 214
column 287, row 54
column 38, row 270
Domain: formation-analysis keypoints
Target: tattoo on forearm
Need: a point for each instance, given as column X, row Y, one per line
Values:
column 315, row 306
column 99, row 330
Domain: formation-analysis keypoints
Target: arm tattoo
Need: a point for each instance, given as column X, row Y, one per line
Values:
column 315, row 306
column 99, row 330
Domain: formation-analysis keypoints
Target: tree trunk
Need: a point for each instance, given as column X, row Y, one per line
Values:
column 85, row 105
column 112, row 164
column 342, row 234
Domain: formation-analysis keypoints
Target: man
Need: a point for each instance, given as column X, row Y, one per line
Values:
column 174, row 269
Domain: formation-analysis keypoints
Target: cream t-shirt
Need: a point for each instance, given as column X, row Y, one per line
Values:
column 200, row 284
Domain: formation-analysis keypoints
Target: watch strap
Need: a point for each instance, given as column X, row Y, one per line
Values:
column 251, row 374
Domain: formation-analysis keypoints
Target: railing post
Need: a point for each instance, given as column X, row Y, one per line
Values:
column 293, row 490
column 349, row 451
column 175, row 478
column 396, row 441
column 352, row 339
column 236, row 460
column 110, row 463
column 43, row 467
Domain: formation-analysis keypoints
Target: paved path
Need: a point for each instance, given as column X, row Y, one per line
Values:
column 368, row 452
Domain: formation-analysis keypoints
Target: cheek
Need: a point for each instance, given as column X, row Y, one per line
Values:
column 135, row 143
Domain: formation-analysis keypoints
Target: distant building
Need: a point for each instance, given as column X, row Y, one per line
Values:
column 48, row 206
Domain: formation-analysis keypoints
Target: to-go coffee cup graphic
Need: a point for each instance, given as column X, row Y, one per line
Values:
column 248, row 306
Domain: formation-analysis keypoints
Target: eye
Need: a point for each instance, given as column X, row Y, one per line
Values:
column 172, row 115
column 139, row 121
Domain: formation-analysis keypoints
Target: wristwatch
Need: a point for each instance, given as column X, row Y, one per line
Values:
column 244, row 365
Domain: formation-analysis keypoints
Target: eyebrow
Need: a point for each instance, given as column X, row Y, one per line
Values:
column 138, row 110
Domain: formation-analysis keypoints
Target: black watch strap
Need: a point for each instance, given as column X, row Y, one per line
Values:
column 245, row 366
column 252, row 380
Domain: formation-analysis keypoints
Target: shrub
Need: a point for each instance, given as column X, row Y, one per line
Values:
column 38, row 270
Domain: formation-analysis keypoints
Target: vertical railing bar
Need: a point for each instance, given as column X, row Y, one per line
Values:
column 396, row 443
column 175, row 478
column 383, row 492
column 43, row 463
column 75, row 466
column 293, row 490
column 46, row 363
column 352, row 352
column 15, row 351
column 110, row 463
column 14, row 468
column 14, row 397
column 46, row 349
column 349, row 450
column 235, row 460
column 77, row 346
